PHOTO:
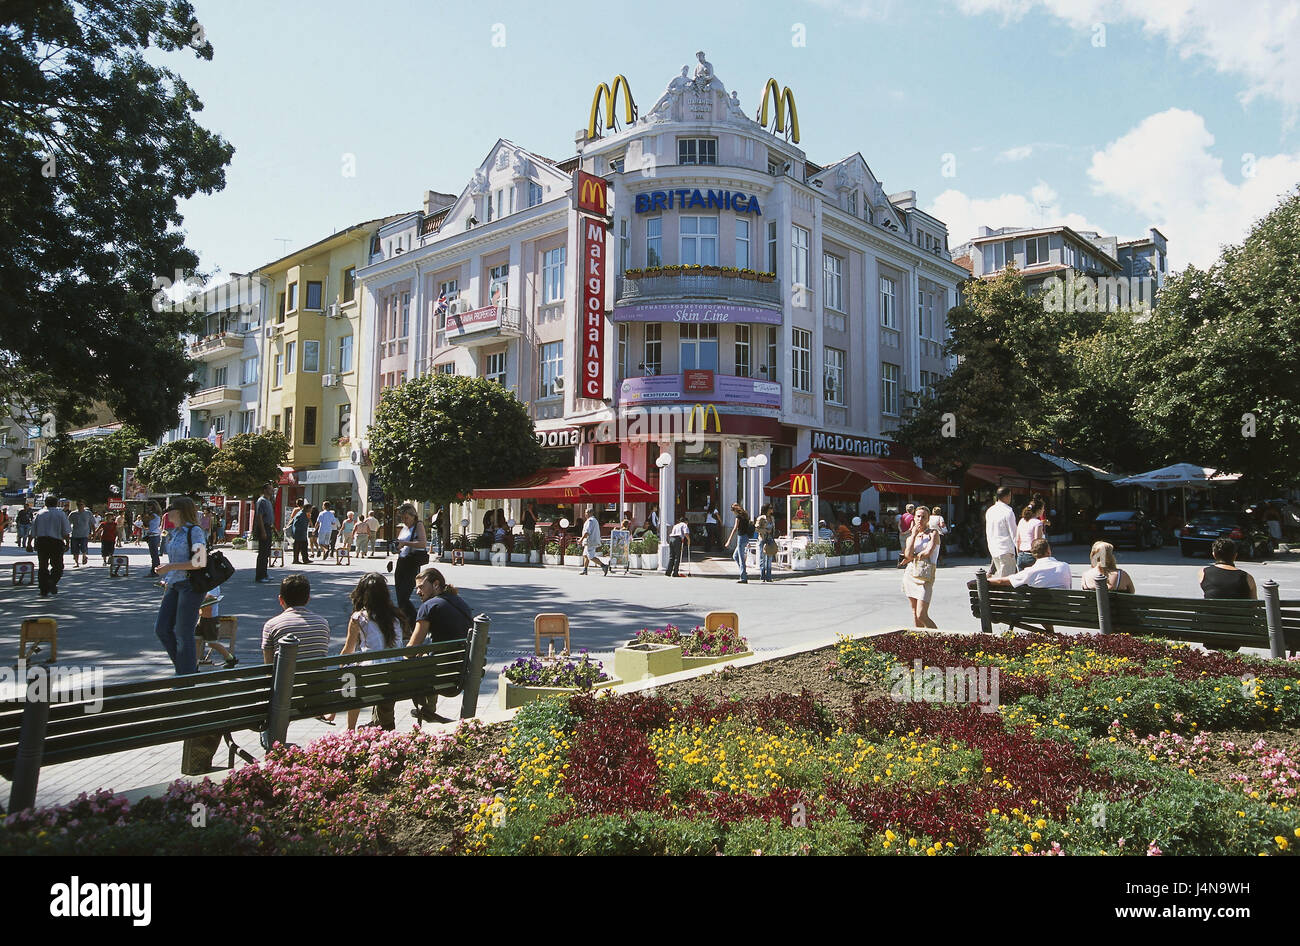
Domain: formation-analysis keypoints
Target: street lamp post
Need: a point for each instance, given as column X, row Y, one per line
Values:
column 758, row 461
column 667, row 512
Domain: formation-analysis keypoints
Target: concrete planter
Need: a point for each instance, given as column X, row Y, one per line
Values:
column 849, row 560
column 550, row 559
column 510, row 695
column 691, row 663
column 802, row 564
column 638, row 661
column 518, row 558
column 882, row 555
column 832, row 561
column 534, row 557
column 650, row 562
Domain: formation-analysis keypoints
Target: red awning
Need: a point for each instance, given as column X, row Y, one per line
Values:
column 287, row 477
column 846, row 478
column 1005, row 476
column 568, row 484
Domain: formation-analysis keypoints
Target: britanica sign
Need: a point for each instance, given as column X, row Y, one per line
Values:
column 591, row 379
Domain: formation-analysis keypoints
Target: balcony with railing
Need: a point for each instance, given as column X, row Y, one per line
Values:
column 484, row 326
column 697, row 285
column 215, row 398
column 216, row 346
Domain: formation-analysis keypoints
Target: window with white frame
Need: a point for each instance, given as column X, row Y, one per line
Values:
column 451, row 291
column 1036, row 251
column 654, row 241
column 624, row 247
column 697, row 151
column 653, row 359
column 624, row 334
column 888, row 303
column 801, row 360
column 889, row 375
column 553, row 274
column 279, row 369
column 219, row 378
column 699, row 241
column 773, row 339
column 494, row 367
column 699, row 346
column 853, row 203
column 771, row 246
column 247, row 422
column 248, row 370
column 832, row 282
column 290, row 355
column 534, row 193
column 833, row 378
column 798, row 256
column 928, row 381
column 744, row 365
column 406, row 315
column 997, row 255
column 345, row 354
column 742, row 244
column 552, row 368
column 310, row 355
column 315, row 293
column 293, row 296
column 447, row 367
column 499, row 285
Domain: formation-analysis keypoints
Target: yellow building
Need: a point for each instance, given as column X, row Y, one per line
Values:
column 310, row 369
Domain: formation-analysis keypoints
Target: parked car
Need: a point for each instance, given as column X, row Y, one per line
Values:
column 1204, row 527
column 1127, row 527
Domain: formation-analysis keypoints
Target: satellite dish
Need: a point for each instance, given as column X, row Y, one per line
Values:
column 564, row 523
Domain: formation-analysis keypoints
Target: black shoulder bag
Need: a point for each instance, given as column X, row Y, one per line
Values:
column 218, row 571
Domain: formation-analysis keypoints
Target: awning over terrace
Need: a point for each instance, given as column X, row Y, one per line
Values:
column 841, row 477
column 606, row 483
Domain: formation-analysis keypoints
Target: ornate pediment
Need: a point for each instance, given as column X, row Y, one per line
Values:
column 698, row 95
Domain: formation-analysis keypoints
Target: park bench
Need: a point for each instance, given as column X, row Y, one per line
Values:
column 265, row 697
column 1226, row 624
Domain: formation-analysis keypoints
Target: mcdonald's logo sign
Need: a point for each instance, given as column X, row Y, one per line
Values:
column 703, row 411
column 592, row 193
column 610, row 101
column 781, row 97
column 800, row 484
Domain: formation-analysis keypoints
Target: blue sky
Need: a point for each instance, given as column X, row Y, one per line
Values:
column 1093, row 113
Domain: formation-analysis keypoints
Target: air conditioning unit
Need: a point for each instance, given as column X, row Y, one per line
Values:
column 329, row 380
column 273, row 330
column 333, row 311
column 458, row 307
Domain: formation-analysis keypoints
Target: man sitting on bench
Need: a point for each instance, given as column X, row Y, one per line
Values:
column 1046, row 572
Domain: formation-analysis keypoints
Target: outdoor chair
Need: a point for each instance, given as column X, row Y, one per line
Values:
column 35, row 632
column 550, row 625
column 716, row 619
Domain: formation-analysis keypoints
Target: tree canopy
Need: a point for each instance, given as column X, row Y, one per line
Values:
column 89, row 469
column 180, row 466
column 440, row 436
column 247, row 462
column 97, row 146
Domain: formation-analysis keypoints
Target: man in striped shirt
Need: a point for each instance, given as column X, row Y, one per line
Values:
column 312, row 630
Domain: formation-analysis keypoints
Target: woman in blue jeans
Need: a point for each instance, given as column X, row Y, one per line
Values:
column 153, row 535
column 178, row 617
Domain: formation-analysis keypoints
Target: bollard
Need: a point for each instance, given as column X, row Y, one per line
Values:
column 986, row 609
column 286, row 659
column 1273, row 613
column 478, row 644
column 31, row 750
column 1103, row 605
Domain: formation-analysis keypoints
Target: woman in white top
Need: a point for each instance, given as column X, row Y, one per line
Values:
column 1028, row 530
column 921, row 555
column 1102, row 557
column 375, row 624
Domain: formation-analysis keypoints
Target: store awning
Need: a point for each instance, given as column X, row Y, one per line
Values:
column 576, row 484
column 1005, row 476
column 1074, row 466
column 287, row 477
column 310, row 477
column 841, row 477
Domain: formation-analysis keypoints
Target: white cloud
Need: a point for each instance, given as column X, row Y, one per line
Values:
column 1255, row 40
column 1164, row 170
column 1018, row 153
column 964, row 215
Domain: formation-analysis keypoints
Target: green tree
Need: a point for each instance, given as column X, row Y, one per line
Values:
column 97, row 146
column 440, row 436
column 179, row 466
column 89, row 469
column 1222, row 380
column 247, row 462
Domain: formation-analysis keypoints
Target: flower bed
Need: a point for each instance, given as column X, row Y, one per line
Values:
column 721, row 642
column 534, row 678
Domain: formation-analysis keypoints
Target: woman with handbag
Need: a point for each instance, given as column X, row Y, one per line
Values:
column 765, row 528
column 920, row 553
column 412, row 556
column 178, row 616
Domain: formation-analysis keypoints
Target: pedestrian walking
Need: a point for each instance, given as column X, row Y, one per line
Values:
column 153, row 535
column 591, row 542
column 365, row 532
column 4, row 523
column 412, row 555
column 905, row 522
column 765, row 533
column 83, row 523
column 52, row 534
column 375, row 624
column 23, row 523
column 326, row 523
column 264, row 532
column 313, row 517
column 920, row 555
column 679, row 536
column 178, row 615
column 346, row 530
column 1028, row 531
column 300, row 528
column 713, row 528
column 107, row 536
column 742, row 530
column 1000, row 534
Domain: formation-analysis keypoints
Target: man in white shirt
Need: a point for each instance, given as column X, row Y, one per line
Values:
column 1046, row 572
column 1000, row 532
column 679, row 536
column 591, row 542
column 326, row 523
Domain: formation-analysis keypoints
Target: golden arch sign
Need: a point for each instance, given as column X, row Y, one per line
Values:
column 610, row 102
column 781, row 97
column 702, row 411
column 800, row 484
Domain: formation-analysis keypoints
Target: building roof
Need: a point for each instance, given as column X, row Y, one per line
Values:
column 965, row 263
column 283, row 261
